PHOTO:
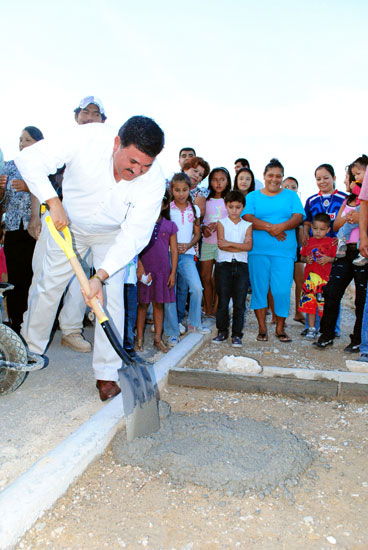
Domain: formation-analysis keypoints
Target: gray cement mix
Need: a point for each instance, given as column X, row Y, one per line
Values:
column 234, row 455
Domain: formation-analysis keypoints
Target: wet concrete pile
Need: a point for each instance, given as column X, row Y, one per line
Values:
column 236, row 455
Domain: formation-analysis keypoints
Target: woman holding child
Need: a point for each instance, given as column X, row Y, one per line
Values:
column 275, row 213
column 348, row 266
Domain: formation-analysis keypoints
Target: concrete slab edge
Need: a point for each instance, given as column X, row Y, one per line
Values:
column 300, row 374
column 306, row 374
column 29, row 496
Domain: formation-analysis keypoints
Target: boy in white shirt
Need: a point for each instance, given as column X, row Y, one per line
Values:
column 234, row 237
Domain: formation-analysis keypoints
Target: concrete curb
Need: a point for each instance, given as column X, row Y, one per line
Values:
column 27, row 498
column 278, row 380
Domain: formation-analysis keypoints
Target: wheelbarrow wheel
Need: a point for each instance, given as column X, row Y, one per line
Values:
column 11, row 349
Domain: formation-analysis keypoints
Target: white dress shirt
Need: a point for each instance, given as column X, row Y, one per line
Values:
column 92, row 199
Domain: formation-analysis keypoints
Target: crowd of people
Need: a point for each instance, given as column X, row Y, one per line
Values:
column 188, row 248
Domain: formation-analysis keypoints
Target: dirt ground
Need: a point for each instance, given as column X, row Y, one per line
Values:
column 300, row 353
column 123, row 507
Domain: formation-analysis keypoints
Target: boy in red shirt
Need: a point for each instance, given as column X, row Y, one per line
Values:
column 318, row 254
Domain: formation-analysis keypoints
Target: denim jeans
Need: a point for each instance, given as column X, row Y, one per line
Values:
column 171, row 326
column 232, row 281
column 188, row 272
column 130, row 305
column 364, row 342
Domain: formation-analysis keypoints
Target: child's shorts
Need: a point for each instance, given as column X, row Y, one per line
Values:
column 311, row 299
column 208, row 252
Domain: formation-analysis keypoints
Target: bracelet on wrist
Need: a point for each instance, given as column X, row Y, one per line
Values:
column 99, row 278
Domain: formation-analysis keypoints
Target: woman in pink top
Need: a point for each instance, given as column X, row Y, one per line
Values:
column 219, row 185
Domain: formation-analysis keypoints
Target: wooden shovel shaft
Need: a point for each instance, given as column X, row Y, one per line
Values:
column 82, row 278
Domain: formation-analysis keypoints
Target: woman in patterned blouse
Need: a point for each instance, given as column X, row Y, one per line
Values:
column 18, row 244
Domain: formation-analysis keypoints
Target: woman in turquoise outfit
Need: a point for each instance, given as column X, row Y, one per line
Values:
column 274, row 213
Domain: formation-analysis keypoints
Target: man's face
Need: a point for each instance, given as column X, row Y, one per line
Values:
column 129, row 162
column 185, row 155
column 237, row 167
column 90, row 114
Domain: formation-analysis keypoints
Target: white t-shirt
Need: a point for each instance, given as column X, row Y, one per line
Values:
column 184, row 220
column 234, row 233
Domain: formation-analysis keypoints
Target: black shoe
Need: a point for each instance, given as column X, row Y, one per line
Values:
column 304, row 332
column 352, row 348
column 220, row 338
column 322, row 344
column 236, row 342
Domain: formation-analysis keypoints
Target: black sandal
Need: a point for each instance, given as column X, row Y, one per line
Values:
column 262, row 337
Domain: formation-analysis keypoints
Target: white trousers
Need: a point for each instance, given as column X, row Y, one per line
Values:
column 72, row 313
column 55, row 275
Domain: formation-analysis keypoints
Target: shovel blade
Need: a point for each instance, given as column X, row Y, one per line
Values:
column 140, row 401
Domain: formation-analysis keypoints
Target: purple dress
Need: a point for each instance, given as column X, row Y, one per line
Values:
column 155, row 259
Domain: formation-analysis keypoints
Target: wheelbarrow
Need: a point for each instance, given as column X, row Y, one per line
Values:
column 15, row 360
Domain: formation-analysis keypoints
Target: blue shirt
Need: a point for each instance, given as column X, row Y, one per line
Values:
column 274, row 209
column 328, row 204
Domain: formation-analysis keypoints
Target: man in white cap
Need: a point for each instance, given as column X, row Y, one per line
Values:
column 90, row 109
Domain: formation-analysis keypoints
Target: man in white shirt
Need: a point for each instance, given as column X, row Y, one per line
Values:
column 112, row 193
column 184, row 154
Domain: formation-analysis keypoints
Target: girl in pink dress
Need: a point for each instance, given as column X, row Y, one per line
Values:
column 157, row 285
column 219, row 185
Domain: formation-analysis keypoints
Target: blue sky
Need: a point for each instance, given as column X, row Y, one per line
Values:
column 235, row 78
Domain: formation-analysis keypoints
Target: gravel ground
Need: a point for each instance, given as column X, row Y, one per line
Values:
column 124, row 507
column 113, row 506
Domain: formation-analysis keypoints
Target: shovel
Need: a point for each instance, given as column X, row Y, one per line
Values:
column 138, row 390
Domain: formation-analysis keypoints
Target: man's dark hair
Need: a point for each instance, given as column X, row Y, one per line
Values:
column 243, row 162
column 187, row 149
column 322, row 217
column 235, row 196
column 144, row 134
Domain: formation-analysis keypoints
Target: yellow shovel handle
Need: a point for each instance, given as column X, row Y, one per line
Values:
column 65, row 243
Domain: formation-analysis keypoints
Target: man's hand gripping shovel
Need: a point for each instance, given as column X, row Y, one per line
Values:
column 138, row 390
